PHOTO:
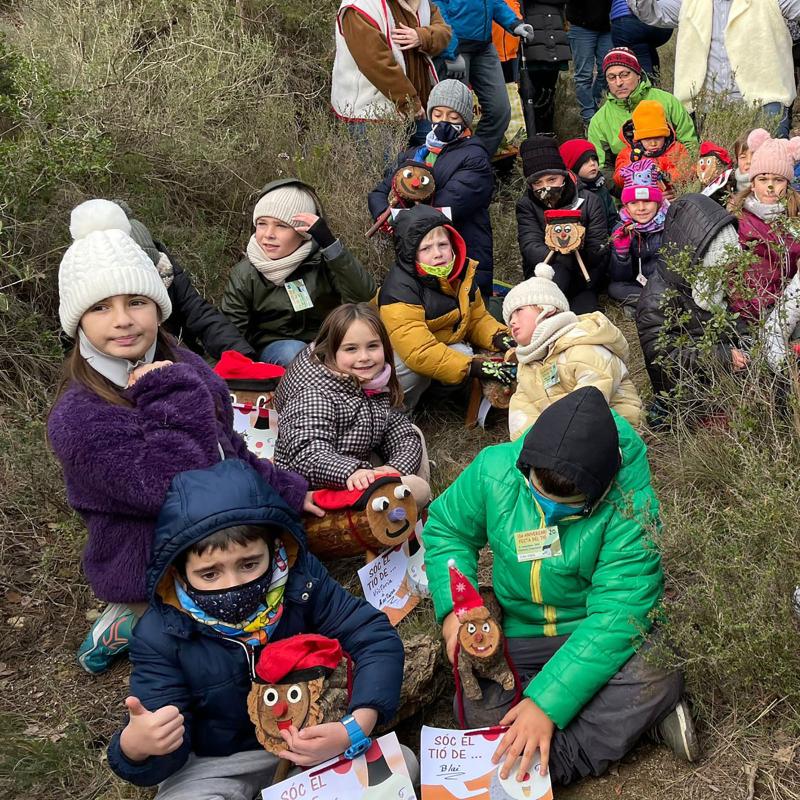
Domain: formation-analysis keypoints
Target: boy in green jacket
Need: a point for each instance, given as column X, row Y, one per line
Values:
column 577, row 599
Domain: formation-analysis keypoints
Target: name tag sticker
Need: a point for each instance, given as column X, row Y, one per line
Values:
column 641, row 279
column 537, row 544
column 551, row 378
column 298, row 295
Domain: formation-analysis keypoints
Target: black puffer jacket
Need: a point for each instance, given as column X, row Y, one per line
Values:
column 661, row 321
column 550, row 42
column 591, row 14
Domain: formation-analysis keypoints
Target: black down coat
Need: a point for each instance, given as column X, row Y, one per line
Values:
column 550, row 41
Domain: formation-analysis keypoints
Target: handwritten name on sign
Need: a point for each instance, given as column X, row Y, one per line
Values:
column 386, row 585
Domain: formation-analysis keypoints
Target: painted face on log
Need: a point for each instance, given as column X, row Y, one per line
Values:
column 479, row 637
column 414, row 183
column 275, row 707
column 708, row 168
column 564, row 237
column 391, row 513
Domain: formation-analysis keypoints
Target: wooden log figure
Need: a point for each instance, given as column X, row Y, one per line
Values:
column 412, row 183
column 368, row 521
column 564, row 233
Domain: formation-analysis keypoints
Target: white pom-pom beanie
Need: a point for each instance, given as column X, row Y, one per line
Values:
column 104, row 261
column 537, row 291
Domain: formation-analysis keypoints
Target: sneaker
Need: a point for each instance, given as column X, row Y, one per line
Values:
column 108, row 638
column 676, row 731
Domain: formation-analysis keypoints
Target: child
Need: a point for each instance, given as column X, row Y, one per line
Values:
column 340, row 406
column 574, row 622
column 558, row 351
column 580, row 157
column 743, row 156
column 132, row 411
column 462, row 172
column 230, row 572
column 637, row 239
column 552, row 186
column 434, row 312
column 294, row 274
column 766, row 212
column 647, row 134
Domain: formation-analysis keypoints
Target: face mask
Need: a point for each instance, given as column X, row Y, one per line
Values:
column 447, row 131
column 549, row 195
column 553, row 511
column 442, row 271
column 233, row 605
column 117, row 370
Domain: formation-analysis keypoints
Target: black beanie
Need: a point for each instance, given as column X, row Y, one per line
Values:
column 540, row 154
column 577, row 438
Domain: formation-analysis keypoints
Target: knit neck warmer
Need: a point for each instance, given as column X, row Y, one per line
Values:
column 380, row 383
column 655, row 224
column 547, row 331
column 278, row 270
column 768, row 212
column 260, row 625
column 742, row 180
column 117, row 370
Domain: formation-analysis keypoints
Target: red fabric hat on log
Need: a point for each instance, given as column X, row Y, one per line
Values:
column 708, row 148
column 298, row 658
column 465, row 595
column 554, row 216
column 233, row 366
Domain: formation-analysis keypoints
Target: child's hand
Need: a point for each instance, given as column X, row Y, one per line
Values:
column 306, row 221
column 310, row 507
column 361, row 479
column 385, row 470
column 450, row 626
column 151, row 733
column 530, row 729
column 144, row 369
column 316, row 228
column 621, row 240
column 740, row 359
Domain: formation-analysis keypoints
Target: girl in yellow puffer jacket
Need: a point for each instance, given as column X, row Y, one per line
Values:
column 558, row 352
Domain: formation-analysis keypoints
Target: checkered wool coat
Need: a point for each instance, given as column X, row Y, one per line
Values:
column 329, row 427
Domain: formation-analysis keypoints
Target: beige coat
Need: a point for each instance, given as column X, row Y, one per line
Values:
column 593, row 353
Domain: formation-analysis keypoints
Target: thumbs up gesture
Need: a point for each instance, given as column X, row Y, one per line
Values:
column 151, row 733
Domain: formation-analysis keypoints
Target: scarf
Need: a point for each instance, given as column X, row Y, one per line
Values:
column 768, row 212
column 380, row 383
column 655, row 224
column 742, row 180
column 117, row 370
column 257, row 629
column 278, row 270
column 596, row 184
column 546, row 333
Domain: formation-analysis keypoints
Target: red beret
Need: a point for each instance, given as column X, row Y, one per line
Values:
column 298, row 658
column 708, row 148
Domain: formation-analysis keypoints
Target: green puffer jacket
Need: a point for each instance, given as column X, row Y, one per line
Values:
column 608, row 121
column 601, row 590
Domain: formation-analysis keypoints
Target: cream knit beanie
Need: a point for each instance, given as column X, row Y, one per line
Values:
column 103, row 261
column 538, row 291
column 283, row 203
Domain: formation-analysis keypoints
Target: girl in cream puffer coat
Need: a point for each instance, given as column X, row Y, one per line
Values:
column 558, row 352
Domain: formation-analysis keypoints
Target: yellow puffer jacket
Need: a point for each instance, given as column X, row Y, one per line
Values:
column 593, row 353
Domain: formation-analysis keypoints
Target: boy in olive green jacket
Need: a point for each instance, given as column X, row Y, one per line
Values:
column 577, row 591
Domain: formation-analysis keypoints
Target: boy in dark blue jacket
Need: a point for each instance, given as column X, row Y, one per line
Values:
column 462, row 172
column 229, row 572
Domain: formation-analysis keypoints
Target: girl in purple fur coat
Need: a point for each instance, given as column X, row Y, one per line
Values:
column 133, row 410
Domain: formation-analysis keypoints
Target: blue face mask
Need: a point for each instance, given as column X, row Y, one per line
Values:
column 447, row 131
column 553, row 511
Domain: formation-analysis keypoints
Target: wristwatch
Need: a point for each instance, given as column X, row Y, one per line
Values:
column 359, row 741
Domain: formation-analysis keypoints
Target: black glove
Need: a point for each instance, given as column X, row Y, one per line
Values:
column 321, row 234
column 503, row 342
column 493, row 371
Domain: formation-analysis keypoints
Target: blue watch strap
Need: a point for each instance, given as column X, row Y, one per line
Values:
column 359, row 741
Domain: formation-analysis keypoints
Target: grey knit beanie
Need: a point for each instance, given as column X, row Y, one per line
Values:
column 720, row 244
column 452, row 94
column 283, row 203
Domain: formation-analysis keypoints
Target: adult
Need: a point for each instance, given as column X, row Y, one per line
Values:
column 294, row 274
column 472, row 58
column 567, row 511
column 627, row 87
column 738, row 48
column 590, row 40
column 629, row 31
column 383, row 66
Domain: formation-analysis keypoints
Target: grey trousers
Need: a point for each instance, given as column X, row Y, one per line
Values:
column 607, row 727
column 413, row 384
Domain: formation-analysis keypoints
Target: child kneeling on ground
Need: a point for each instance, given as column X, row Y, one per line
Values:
column 558, row 351
column 434, row 311
column 229, row 573
column 342, row 423
column 574, row 613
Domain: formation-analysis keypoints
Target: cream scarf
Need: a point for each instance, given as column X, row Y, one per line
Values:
column 758, row 44
column 278, row 270
column 547, row 331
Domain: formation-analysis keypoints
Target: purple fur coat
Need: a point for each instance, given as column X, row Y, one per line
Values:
column 118, row 463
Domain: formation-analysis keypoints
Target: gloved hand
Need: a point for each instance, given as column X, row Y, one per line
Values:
column 503, row 342
column 525, row 32
column 621, row 241
column 493, row 371
column 457, row 68
column 321, row 234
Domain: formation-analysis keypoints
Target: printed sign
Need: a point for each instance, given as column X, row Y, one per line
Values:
column 258, row 427
column 457, row 765
column 386, row 585
column 379, row 774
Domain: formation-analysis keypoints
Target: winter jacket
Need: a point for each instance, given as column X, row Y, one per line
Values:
column 606, row 124
column 424, row 314
column 530, row 232
column 550, row 42
column 471, row 23
column 506, row 44
column 262, row 311
column 674, row 160
column 590, row 14
column 118, row 461
column 599, row 189
column 329, row 427
column 464, row 182
column 642, row 258
column 600, row 591
column 594, row 353
column 178, row 661
column 777, row 254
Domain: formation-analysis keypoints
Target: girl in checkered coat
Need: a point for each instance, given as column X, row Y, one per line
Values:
column 342, row 423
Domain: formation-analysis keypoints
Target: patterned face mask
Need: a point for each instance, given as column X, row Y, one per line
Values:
column 232, row 605
column 442, row 271
column 549, row 195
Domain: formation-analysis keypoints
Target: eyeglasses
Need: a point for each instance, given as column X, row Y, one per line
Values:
column 615, row 77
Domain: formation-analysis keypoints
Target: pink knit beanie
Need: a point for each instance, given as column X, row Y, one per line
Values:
column 775, row 156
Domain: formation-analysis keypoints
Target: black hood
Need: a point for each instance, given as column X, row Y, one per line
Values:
column 411, row 227
column 577, row 438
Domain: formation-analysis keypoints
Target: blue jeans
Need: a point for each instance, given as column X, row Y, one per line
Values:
column 485, row 75
column 630, row 31
column 282, row 351
column 781, row 111
column 589, row 48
